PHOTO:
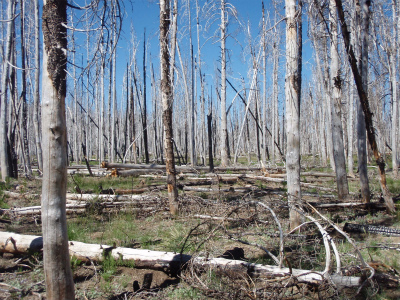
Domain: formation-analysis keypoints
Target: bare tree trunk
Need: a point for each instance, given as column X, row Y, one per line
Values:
column 114, row 119
column 336, row 86
column 210, row 148
column 366, row 109
column 264, row 106
column 4, row 161
column 361, row 129
column 275, row 105
column 36, row 101
column 59, row 282
column 24, row 125
column 224, row 124
column 132, row 122
column 193, row 158
column 292, row 114
column 350, row 125
column 166, row 96
column 144, row 119
column 393, row 75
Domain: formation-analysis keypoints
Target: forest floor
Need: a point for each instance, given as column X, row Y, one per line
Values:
column 217, row 220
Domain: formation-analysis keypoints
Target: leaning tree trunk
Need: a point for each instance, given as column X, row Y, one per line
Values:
column 166, row 96
column 366, row 109
column 59, row 282
column 4, row 163
column 337, row 130
column 292, row 115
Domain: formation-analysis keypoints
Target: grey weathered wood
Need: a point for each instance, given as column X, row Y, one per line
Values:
column 336, row 90
column 36, row 101
column 224, row 126
column 166, row 96
column 57, row 269
column 169, row 261
column 4, row 163
column 292, row 113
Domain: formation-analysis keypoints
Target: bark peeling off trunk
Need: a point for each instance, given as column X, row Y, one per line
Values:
column 58, row 275
column 166, row 95
column 55, row 43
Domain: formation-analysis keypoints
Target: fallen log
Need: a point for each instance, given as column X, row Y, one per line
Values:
column 217, row 190
column 169, row 262
column 111, row 198
column 86, row 172
column 360, row 228
column 311, row 174
column 108, row 165
column 210, row 180
column 371, row 205
column 134, row 172
column 79, row 208
column 15, row 195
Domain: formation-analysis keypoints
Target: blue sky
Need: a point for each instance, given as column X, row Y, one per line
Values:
column 141, row 14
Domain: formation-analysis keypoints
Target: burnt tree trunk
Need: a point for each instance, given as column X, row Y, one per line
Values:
column 166, row 96
column 366, row 109
column 59, row 282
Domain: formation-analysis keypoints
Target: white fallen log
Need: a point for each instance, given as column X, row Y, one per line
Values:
column 207, row 217
column 211, row 189
column 74, row 208
column 86, row 172
column 15, row 195
column 166, row 261
column 91, row 197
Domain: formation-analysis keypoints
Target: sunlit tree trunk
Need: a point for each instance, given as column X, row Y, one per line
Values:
column 390, row 207
column 57, row 269
column 4, row 162
column 36, row 101
column 350, row 130
column 24, row 124
column 224, row 124
column 292, row 114
column 361, row 128
column 166, row 96
column 336, row 88
column 393, row 75
column 275, row 92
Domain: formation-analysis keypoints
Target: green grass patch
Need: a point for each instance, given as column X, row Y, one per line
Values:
column 185, row 293
column 393, row 185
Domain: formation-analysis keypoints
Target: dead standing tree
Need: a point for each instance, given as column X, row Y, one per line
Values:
column 292, row 114
column 166, row 96
column 336, row 89
column 4, row 161
column 59, row 282
column 366, row 109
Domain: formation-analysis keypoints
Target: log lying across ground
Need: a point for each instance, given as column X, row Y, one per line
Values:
column 166, row 261
column 360, row 228
column 79, row 203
